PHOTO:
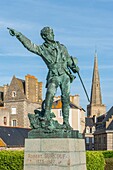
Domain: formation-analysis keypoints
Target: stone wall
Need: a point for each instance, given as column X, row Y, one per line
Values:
column 110, row 140
column 33, row 89
column 18, row 110
column 4, row 116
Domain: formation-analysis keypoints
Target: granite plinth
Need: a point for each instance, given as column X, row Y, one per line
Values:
column 55, row 154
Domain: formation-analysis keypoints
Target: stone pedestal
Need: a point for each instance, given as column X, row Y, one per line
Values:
column 55, row 154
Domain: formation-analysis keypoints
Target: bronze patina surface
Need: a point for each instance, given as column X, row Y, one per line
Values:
column 60, row 65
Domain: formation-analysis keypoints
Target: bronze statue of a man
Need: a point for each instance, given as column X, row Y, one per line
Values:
column 59, row 63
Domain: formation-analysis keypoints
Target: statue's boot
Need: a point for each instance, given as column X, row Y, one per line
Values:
column 66, row 125
column 48, row 106
column 65, row 111
column 47, row 115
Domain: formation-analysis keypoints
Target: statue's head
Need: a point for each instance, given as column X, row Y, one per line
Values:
column 47, row 34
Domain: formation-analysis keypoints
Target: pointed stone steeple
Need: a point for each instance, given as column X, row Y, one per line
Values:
column 96, row 108
column 96, row 90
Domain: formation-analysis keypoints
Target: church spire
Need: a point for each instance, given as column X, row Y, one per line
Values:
column 95, row 108
column 96, row 90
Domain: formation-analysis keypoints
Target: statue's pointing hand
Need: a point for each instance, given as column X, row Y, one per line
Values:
column 12, row 32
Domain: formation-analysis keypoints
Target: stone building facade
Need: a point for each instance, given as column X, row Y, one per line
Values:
column 76, row 113
column 20, row 98
column 103, row 135
column 4, row 116
column 90, row 123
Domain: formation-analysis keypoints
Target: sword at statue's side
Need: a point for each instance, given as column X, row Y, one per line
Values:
column 83, row 86
column 75, row 69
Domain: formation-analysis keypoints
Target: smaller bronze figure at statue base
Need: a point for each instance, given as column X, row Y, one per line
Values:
column 43, row 127
column 42, row 123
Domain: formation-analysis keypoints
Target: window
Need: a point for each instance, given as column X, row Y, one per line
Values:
column 104, row 140
column 87, row 140
column 95, row 139
column 90, row 130
column 5, row 121
column 99, row 140
column 93, row 129
column 14, row 122
column 92, row 140
column 13, row 111
column 60, row 114
column 13, row 93
column 87, row 129
column 1, row 96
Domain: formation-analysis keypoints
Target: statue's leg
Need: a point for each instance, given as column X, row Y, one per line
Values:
column 51, row 90
column 65, row 98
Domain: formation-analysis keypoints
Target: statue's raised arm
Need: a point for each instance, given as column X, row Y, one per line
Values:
column 25, row 41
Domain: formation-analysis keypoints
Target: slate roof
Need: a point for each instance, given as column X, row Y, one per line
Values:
column 101, row 125
column 101, row 118
column 21, row 84
column 108, row 115
column 72, row 105
column 110, row 127
column 89, row 121
column 13, row 136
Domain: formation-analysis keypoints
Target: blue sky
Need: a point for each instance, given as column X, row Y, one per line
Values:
column 81, row 25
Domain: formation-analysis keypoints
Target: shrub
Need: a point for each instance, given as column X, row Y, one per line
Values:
column 107, row 154
column 14, row 160
column 95, row 160
column 11, row 160
column 109, row 164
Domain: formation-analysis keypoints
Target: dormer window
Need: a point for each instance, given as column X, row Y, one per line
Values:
column 13, row 93
column 93, row 129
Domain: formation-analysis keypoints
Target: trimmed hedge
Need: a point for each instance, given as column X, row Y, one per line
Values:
column 109, row 164
column 11, row 160
column 95, row 160
column 107, row 154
